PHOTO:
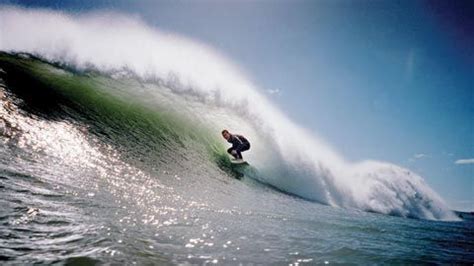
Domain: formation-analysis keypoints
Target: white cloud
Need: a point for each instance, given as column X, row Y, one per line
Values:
column 274, row 91
column 419, row 155
column 465, row 161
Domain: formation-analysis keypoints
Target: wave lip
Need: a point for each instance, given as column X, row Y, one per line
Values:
column 289, row 157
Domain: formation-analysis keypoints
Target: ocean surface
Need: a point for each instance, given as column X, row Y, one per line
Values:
column 113, row 155
column 84, row 178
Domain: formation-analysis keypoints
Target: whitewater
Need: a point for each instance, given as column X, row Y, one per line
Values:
column 112, row 149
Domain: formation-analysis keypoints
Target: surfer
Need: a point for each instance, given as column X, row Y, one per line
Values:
column 239, row 144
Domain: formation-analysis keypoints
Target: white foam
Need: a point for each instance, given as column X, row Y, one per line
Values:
column 309, row 168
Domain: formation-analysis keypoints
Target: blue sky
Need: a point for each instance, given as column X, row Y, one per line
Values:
column 385, row 80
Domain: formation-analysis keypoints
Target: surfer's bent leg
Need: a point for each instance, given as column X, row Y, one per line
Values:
column 244, row 147
column 234, row 153
column 237, row 151
column 239, row 155
column 240, row 149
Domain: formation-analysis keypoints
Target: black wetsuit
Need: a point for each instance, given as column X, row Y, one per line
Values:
column 239, row 144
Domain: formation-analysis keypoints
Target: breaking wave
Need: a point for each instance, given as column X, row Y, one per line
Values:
column 156, row 94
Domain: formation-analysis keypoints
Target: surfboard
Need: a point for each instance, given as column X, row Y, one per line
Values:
column 238, row 162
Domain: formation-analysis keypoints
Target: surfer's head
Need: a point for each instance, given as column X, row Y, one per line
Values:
column 226, row 134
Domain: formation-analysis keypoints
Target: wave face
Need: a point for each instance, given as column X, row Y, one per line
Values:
column 179, row 94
